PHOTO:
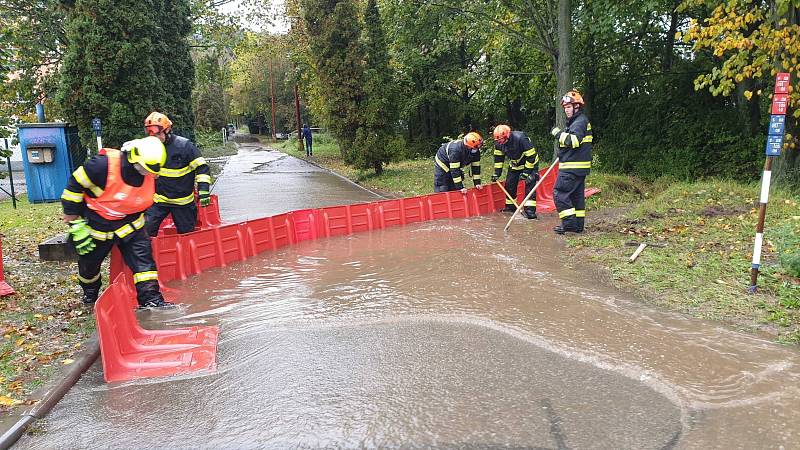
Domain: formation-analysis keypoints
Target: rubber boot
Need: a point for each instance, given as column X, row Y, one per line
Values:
column 568, row 225
column 579, row 222
column 509, row 209
column 529, row 212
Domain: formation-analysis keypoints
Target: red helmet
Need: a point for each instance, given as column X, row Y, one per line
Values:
column 572, row 97
column 156, row 119
column 501, row 133
column 473, row 139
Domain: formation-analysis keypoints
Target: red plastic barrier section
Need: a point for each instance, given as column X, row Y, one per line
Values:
column 129, row 351
column 5, row 288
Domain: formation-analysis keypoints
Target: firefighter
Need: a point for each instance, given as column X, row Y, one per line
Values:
column 175, row 185
column 104, row 204
column 523, row 163
column 451, row 159
column 575, row 161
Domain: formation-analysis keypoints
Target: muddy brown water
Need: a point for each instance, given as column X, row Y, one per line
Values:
column 447, row 334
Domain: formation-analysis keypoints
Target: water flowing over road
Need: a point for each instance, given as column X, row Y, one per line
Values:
column 446, row 334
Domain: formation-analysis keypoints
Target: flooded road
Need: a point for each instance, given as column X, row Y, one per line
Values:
column 259, row 182
column 447, row 334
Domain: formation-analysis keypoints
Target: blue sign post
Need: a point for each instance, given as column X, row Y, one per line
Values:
column 97, row 126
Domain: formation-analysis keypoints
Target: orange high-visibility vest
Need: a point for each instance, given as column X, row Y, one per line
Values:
column 120, row 199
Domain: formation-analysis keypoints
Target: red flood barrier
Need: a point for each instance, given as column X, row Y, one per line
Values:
column 5, row 288
column 218, row 245
column 129, row 352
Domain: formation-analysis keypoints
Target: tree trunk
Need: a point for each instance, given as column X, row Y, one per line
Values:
column 669, row 48
column 378, row 166
column 563, row 59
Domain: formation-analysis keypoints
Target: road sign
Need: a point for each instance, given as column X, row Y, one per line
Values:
column 96, row 125
column 782, row 83
column 777, row 125
column 779, row 103
column 774, row 145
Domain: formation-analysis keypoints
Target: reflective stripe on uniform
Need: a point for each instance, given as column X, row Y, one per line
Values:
column 158, row 198
column 458, row 179
column 83, row 180
column 455, row 165
column 75, row 197
column 580, row 213
column 566, row 212
column 199, row 161
column 498, row 153
column 441, row 164
column 145, row 276
column 576, row 165
column 203, row 178
column 530, row 203
column 476, row 164
column 498, row 165
column 588, row 139
column 476, row 178
column 175, row 173
column 87, row 280
column 122, row 231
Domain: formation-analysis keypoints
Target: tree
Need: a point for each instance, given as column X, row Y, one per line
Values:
column 373, row 146
column 752, row 41
column 334, row 39
column 108, row 70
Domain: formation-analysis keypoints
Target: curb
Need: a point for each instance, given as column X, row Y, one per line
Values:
column 50, row 394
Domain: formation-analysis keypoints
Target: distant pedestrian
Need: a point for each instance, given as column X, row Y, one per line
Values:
column 309, row 140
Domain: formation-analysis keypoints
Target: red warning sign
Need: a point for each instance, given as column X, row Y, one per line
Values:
column 782, row 83
column 779, row 103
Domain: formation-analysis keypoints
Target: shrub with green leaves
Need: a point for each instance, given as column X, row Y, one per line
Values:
column 788, row 246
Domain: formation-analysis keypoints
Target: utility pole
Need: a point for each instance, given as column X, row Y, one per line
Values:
column 272, row 94
column 297, row 115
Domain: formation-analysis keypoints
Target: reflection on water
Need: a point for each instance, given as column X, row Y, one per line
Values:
column 444, row 334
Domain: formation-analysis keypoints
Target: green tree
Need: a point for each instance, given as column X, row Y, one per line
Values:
column 334, row 39
column 108, row 70
column 375, row 141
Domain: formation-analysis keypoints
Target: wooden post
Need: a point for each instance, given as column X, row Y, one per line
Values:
column 777, row 123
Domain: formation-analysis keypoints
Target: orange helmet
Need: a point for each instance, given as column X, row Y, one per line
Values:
column 473, row 139
column 156, row 119
column 572, row 96
column 501, row 133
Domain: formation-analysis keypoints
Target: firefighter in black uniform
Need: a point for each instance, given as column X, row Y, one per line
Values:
column 175, row 185
column 451, row 159
column 104, row 204
column 523, row 163
column 575, row 162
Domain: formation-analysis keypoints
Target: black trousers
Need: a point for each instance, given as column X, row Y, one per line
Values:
column 184, row 216
column 569, row 200
column 442, row 181
column 138, row 255
column 512, row 181
column 309, row 147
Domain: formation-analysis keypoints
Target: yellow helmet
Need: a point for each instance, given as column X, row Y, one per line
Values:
column 148, row 152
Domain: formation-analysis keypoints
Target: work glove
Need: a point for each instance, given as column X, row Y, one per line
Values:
column 81, row 236
column 555, row 131
column 205, row 198
column 532, row 179
column 494, row 178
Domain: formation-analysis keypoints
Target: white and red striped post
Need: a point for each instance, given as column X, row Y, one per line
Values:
column 777, row 122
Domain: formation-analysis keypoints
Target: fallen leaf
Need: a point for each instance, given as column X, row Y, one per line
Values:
column 67, row 361
column 8, row 401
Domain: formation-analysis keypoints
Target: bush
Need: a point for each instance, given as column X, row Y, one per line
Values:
column 788, row 246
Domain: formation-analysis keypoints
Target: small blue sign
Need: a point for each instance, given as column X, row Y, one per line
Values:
column 96, row 126
column 774, row 145
column 777, row 125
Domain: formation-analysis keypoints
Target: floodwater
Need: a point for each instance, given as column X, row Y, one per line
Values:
column 446, row 334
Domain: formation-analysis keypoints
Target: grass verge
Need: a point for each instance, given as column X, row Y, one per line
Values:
column 43, row 325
